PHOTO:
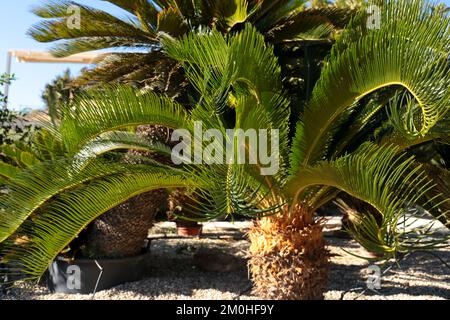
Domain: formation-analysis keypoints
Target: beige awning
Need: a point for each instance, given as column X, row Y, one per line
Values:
column 45, row 57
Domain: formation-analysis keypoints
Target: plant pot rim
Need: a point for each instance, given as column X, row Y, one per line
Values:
column 94, row 274
column 90, row 260
column 190, row 231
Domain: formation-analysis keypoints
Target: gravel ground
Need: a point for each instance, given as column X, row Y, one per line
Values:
column 173, row 275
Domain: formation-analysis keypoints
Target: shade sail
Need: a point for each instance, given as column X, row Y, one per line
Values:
column 45, row 57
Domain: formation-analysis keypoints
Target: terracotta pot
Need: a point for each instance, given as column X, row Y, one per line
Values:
column 189, row 231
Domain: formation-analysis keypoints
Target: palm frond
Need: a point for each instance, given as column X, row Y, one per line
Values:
column 93, row 43
column 98, row 30
column 30, row 189
column 22, row 157
column 8, row 171
column 171, row 22
column 403, row 111
column 360, row 65
column 383, row 178
column 67, row 214
column 116, row 108
column 118, row 140
column 144, row 10
column 234, row 191
column 149, row 69
column 310, row 24
column 240, row 68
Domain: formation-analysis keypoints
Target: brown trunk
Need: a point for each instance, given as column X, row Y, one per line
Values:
column 121, row 231
column 289, row 260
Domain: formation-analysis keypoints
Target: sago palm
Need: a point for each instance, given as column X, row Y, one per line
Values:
column 283, row 22
column 358, row 67
column 53, row 202
column 287, row 24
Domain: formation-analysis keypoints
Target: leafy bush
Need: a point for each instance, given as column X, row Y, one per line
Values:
column 13, row 126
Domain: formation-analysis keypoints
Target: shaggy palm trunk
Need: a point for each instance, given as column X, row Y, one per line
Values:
column 121, row 231
column 289, row 260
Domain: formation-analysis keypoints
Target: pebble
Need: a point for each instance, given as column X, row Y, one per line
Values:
column 174, row 276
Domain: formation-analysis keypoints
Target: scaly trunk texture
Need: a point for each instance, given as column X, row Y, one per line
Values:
column 288, row 257
column 121, row 231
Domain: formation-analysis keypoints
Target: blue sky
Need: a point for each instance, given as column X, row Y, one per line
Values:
column 15, row 19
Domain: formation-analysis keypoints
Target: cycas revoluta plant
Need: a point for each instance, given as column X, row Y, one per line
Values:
column 151, row 70
column 288, row 255
column 283, row 22
column 287, row 24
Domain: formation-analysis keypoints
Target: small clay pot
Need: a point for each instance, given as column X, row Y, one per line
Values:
column 189, row 230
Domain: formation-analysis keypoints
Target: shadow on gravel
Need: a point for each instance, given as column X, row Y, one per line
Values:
column 172, row 275
column 419, row 274
column 391, row 288
column 345, row 277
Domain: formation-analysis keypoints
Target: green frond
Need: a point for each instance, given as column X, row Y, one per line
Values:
column 233, row 190
column 204, row 57
column 47, row 145
column 310, row 24
column 366, row 174
column 30, row 189
column 207, row 50
column 364, row 62
column 279, row 11
column 233, row 12
column 440, row 194
column 252, row 59
column 98, row 29
column 215, row 62
column 271, row 113
column 118, row 140
column 128, row 68
column 8, row 171
column 144, row 10
column 402, row 110
column 93, row 43
column 272, row 11
column 381, row 177
column 113, row 108
column 171, row 22
column 240, row 68
column 24, row 158
column 67, row 214
column 357, row 127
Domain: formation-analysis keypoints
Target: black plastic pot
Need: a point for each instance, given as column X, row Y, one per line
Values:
column 82, row 275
